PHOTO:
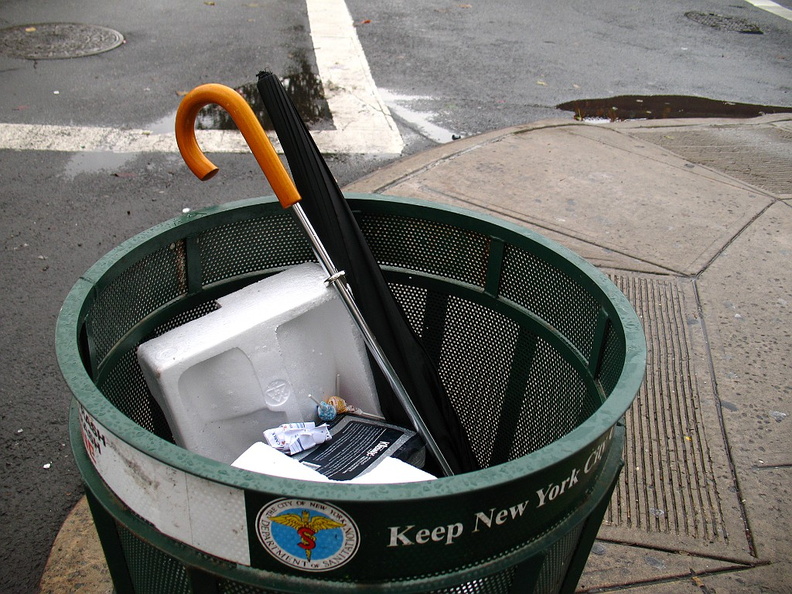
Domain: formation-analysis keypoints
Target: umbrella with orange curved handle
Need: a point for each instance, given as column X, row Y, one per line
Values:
column 251, row 129
column 289, row 197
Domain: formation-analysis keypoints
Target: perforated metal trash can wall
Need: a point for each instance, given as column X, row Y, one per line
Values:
column 540, row 354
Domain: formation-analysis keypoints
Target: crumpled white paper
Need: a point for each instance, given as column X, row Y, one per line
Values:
column 293, row 438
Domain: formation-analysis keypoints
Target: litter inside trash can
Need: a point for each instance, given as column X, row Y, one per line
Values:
column 353, row 450
column 250, row 364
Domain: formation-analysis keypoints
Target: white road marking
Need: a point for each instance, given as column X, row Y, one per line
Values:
column 359, row 113
column 363, row 124
column 776, row 9
column 421, row 120
column 44, row 137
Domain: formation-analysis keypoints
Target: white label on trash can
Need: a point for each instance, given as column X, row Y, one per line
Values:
column 200, row 513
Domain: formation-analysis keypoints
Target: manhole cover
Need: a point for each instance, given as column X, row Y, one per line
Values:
column 723, row 23
column 52, row 41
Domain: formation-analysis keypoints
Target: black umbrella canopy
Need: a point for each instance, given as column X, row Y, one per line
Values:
column 335, row 224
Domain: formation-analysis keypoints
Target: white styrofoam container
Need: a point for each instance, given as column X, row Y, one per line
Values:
column 224, row 378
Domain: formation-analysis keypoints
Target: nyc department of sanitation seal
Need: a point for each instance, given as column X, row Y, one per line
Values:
column 308, row 535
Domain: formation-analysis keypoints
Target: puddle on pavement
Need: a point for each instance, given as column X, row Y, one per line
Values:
column 303, row 87
column 107, row 162
column 654, row 107
column 96, row 161
column 164, row 125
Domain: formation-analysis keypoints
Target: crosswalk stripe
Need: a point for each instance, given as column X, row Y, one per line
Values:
column 362, row 122
column 773, row 7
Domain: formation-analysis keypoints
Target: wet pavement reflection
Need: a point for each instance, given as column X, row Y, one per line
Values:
column 304, row 88
column 652, row 107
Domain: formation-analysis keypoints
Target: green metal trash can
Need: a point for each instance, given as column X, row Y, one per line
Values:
column 540, row 354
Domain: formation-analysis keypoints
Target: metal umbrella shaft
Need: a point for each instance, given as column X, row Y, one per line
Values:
column 338, row 280
column 288, row 196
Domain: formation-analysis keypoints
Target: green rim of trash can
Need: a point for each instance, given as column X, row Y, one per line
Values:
column 573, row 447
column 531, row 553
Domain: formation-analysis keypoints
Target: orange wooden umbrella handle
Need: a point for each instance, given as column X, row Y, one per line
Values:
column 251, row 129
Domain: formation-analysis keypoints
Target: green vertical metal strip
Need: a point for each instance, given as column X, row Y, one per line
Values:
column 527, row 573
column 87, row 349
column 434, row 324
column 522, row 361
column 202, row 582
column 598, row 342
column 192, row 256
column 494, row 266
column 85, row 338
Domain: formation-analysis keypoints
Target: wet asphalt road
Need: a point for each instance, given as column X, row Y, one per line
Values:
column 473, row 69
column 61, row 211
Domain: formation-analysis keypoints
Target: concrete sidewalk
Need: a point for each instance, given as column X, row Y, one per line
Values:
column 692, row 220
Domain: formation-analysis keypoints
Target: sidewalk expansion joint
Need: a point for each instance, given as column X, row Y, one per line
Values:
column 722, row 426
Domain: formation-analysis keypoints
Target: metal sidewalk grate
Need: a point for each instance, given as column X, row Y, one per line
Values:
column 676, row 489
